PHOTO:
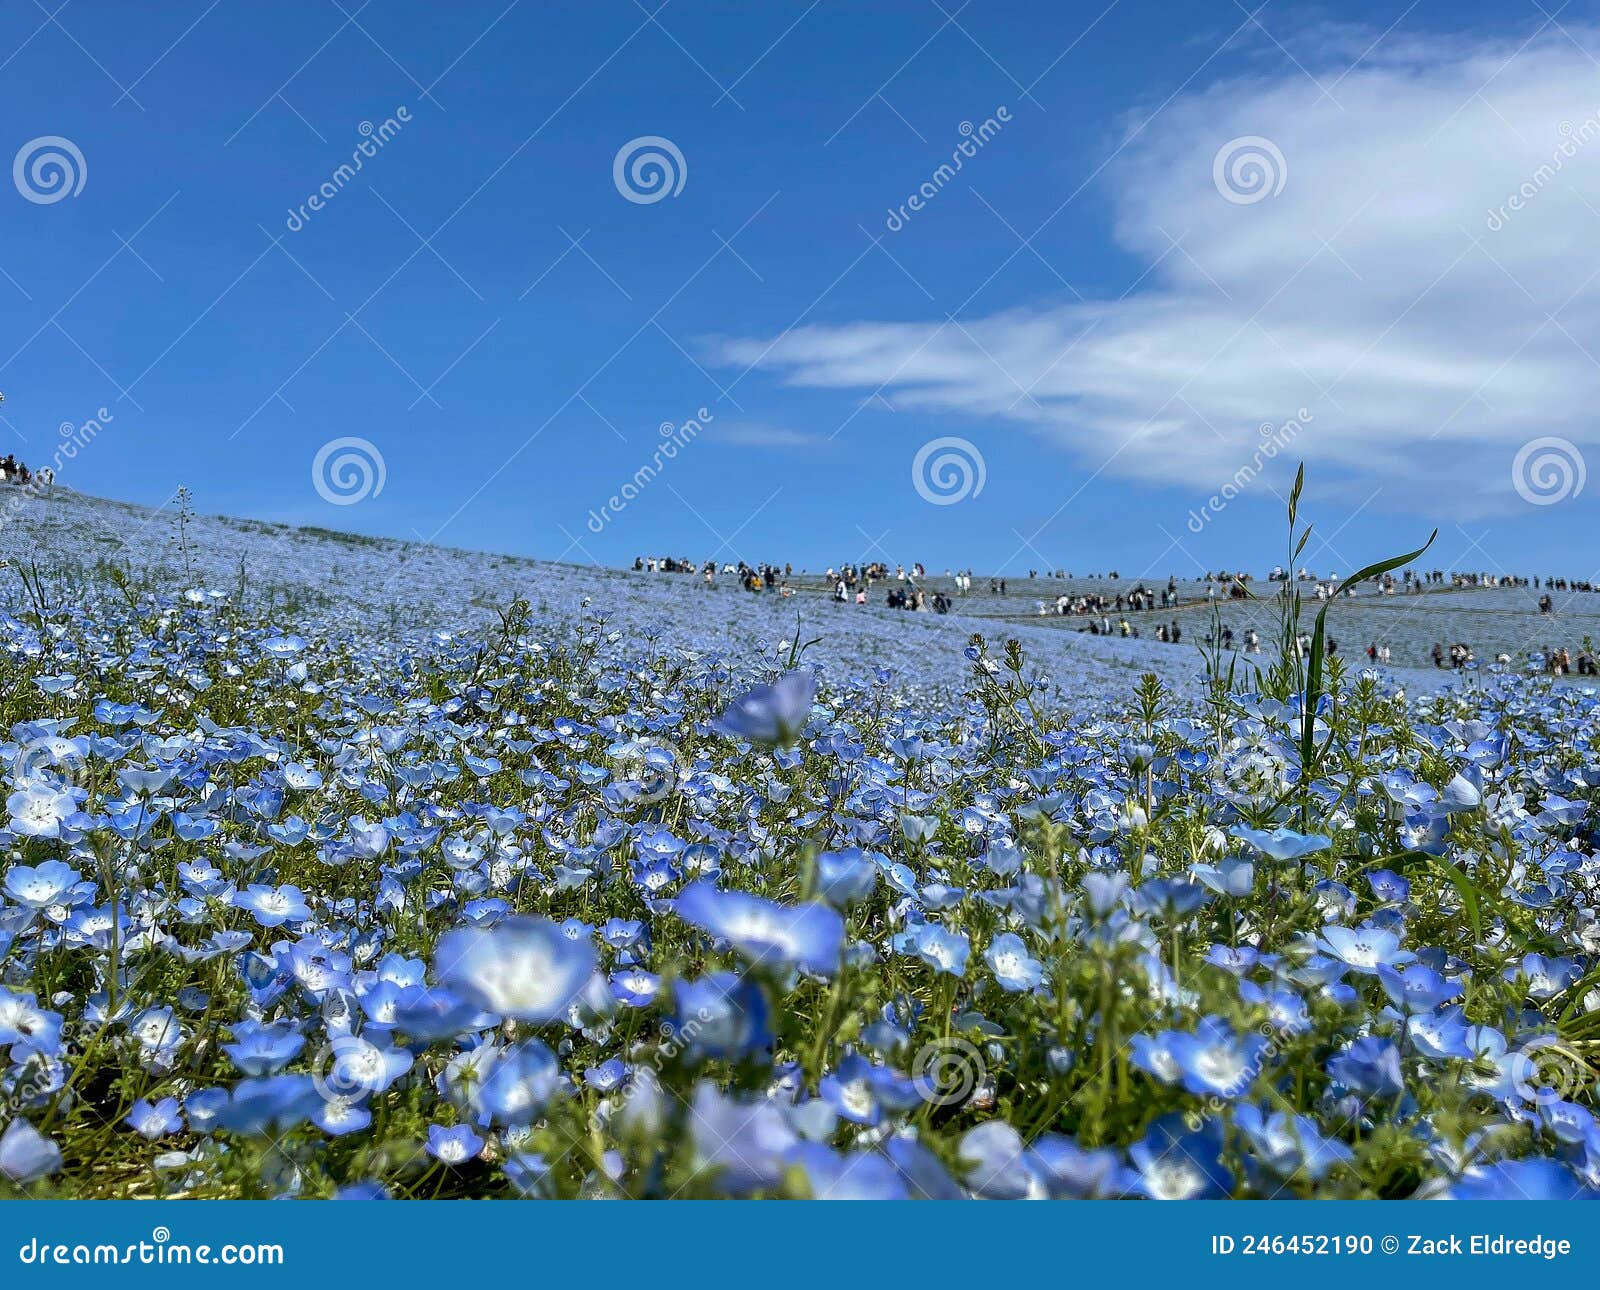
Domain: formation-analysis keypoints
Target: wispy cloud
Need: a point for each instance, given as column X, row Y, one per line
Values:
column 1388, row 287
column 755, row 434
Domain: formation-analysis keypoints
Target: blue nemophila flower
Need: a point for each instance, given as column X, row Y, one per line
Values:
column 608, row 1075
column 1014, row 969
column 807, row 936
column 743, row 1147
column 845, row 877
column 50, row 883
column 455, row 1145
column 1363, row 949
column 1288, row 1145
column 359, row 1067
column 271, row 1106
column 1370, row 1065
column 1169, row 898
column 340, row 1116
column 274, row 906
column 941, row 949
column 25, row 1025
column 1173, row 1162
column 1425, row 831
column 722, row 1016
column 1440, row 1036
column 624, row 934
column 860, row 1175
column 1215, row 1061
column 26, row 1155
column 1532, row 1179
column 996, row 1163
column 1235, row 878
column 1067, row 1171
column 1284, row 843
column 924, row 1176
column 1546, row 977
column 524, row 968
column 635, row 988
column 1461, row 794
column 772, row 714
column 155, row 1120
column 1388, row 886
column 1416, row 987
column 264, row 1049
column 861, row 1092
column 1103, row 892
column 41, row 810
column 518, row 1085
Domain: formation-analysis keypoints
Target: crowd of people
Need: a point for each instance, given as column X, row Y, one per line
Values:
column 1136, row 601
column 13, row 471
column 1107, row 612
column 1560, row 662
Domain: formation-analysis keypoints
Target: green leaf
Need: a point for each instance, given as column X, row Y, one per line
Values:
column 1468, row 891
column 1313, row 690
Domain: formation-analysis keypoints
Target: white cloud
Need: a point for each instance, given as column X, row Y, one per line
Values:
column 755, row 434
column 1372, row 291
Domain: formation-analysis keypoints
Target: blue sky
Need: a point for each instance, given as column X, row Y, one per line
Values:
column 1098, row 307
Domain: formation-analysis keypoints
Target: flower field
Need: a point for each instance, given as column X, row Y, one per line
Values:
column 335, row 867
